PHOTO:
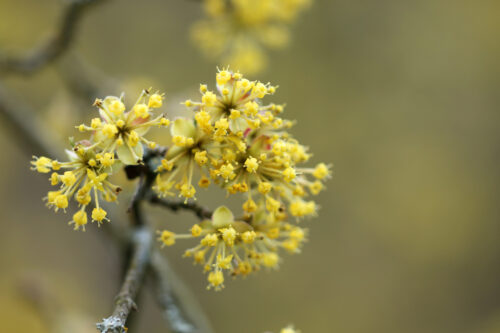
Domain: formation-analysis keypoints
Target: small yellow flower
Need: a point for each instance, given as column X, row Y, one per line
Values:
column 270, row 259
column 216, row 279
column 209, row 240
column 61, row 201
column 289, row 174
column 155, row 101
column 201, row 157
column 99, row 215
column 79, row 220
column 109, row 130
column 228, row 235
column 54, row 179
column 196, row 230
column 141, row 110
column 264, row 187
column 251, row 164
column 187, row 191
column 116, row 107
column 321, row 171
column 204, row 182
column 223, row 77
column 42, row 164
column 167, row 238
column 209, row 98
column 249, row 206
column 248, row 236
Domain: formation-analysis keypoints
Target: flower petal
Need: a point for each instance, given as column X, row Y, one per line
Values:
column 222, row 217
column 183, row 127
column 125, row 154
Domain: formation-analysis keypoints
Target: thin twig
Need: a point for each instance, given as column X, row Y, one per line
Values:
column 52, row 48
column 200, row 211
column 134, row 209
column 125, row 301
column 179, row 307
column 147, row 176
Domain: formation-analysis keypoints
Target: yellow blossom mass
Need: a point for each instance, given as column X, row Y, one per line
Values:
column 116, row 139
column 236, row 32
column 239, row 247
column 232, row 138
column 235, row 141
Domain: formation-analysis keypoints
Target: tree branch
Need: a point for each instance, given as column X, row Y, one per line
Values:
column 52, row 48
column 85, row 81
column 34, row 137
column 25, row 128
column 200, row 211
column 125, row 301
column 179, row 307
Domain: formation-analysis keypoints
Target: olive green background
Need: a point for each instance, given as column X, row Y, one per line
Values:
column 402, row 96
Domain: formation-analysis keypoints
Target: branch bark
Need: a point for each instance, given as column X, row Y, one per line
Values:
column 200, row 211
column 179, row 307
column 52, row 48
column 180, row 310
column 125, row 301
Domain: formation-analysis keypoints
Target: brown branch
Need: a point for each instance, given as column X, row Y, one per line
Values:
column 200, row 211
column 125, row 301
column 52, row 48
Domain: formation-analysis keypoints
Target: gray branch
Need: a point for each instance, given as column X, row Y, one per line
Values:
column 180, row 310
column 125, row 301
column 179, row 307
column 53, row 47
column 173, row 298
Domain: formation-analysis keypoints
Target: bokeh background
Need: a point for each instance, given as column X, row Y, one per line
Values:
column 402, row 96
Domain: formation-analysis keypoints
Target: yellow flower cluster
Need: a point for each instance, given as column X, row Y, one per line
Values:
column 235, row 31
column 121, row 131
column 115, row 134
column 231, row 140
column 239, row 247
column 289, row 329
column 240, row 144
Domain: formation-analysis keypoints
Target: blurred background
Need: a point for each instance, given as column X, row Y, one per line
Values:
column 402, row 96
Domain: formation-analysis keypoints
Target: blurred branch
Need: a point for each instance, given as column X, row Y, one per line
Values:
column 124, row 304
column 172, row 296
column 175, row 306
column 84, row 80
column 178, row 305
column 25, row 128
column 200, row 211
column 52, row 48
